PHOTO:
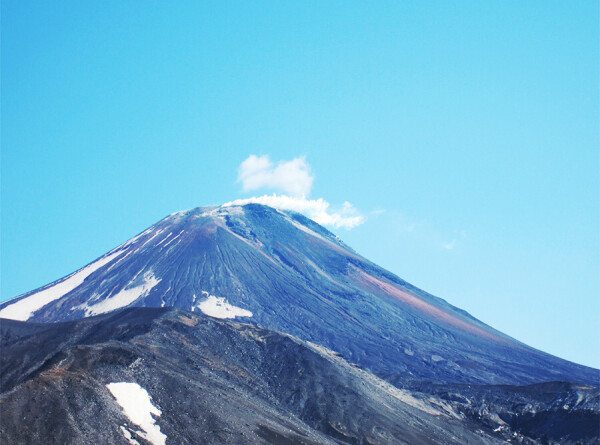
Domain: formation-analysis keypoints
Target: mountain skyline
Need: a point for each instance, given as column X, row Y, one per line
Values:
column 294, row 203
column 283, row 271
column 466, row 136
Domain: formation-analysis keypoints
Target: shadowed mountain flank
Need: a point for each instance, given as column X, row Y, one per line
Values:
column 212, row 381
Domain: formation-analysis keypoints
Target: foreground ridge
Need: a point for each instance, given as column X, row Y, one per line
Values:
column 197, row 379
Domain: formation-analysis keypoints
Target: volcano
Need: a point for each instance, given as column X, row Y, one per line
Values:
column 284, row 272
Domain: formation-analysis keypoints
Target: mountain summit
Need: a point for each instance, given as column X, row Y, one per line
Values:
column 283, row 271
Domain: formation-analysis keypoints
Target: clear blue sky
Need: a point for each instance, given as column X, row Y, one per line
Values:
column 466, row 132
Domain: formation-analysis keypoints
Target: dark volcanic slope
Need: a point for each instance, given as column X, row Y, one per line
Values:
column 213, row 381
column 292, row 275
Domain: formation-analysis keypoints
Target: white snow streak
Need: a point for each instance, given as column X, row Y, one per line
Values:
column 138, row 407
column 172, row 239
column 24, row 309
column 158, row 232
column 303, row 228
column 162, row 299
column 119, row 260
column 125, row 297
column 217, row 307
column 165, row 238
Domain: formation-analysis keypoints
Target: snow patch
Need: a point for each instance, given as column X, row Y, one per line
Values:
column 24, row 308
column 138, row 407
column 210, row 212
column 128, row 436
column 125, row 297
column 234, row 210
column 218, row 307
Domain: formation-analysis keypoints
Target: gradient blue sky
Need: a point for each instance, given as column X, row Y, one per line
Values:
column 470, row 125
